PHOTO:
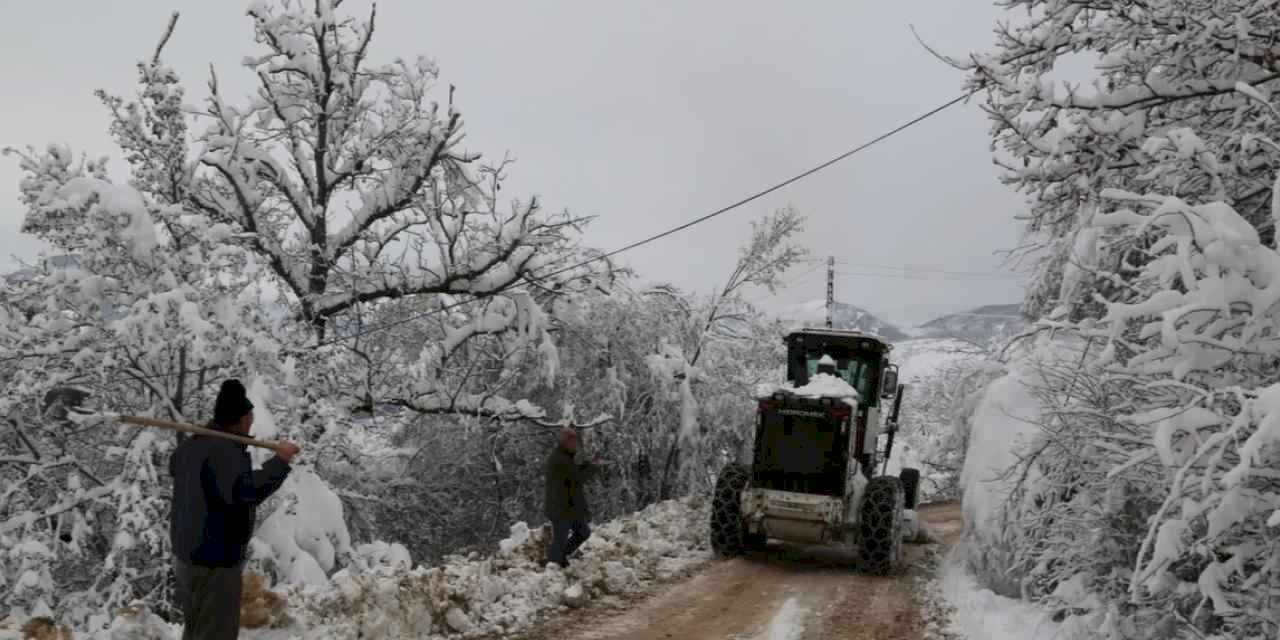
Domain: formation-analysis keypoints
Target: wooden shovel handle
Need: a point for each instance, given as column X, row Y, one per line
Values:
column 191, row 428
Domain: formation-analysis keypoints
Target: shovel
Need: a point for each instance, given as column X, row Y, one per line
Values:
column 201, row 431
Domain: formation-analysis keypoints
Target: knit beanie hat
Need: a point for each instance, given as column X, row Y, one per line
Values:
column 232, row 404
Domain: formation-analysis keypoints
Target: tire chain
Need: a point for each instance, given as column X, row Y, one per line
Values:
column 881, row 525
column 727, row 535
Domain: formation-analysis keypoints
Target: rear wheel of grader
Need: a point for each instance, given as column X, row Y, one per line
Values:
column 881, row 525
column 728, row 531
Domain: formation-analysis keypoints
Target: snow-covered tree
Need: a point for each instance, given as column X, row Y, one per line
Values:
column 1143, row 501
column 1161, row 70
column 145, row 309
column 349, row 174
column 1155, row 487
column 723, row 321
column 336, row 193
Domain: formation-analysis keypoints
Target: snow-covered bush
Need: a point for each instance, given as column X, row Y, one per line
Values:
column 1150, row 498
column 1160, row 70
column 1141, row 500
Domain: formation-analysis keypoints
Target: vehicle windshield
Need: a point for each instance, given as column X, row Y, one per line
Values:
column 856, row 372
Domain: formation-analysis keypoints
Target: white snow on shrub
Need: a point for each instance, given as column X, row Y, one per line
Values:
column 307, row 532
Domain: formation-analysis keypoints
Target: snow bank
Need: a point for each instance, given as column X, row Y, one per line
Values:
column 1006, row 416
column 480, row 595
column 978, row 613
column 508, row 590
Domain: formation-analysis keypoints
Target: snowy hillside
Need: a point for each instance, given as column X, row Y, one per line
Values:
column 979, row 325
column 937, row 373
column 846, row 316
column 921, row 358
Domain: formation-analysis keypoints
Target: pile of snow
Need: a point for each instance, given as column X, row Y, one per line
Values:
column 498, row 594
column 978, row 613
column 825, row 385
column 1005, row 418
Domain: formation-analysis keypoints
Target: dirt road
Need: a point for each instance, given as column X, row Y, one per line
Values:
column 787, row 593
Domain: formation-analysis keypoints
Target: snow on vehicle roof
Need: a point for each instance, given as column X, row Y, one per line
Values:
column 821, row 385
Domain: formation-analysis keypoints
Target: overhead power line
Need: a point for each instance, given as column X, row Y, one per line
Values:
column 725, row 209
column 904, row 276
column 975, row 274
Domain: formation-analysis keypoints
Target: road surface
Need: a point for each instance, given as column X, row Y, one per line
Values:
column 787, row 593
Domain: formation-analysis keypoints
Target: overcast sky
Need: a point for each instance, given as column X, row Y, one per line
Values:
column 643, row 116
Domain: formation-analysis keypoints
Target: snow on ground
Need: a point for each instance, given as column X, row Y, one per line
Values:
column 476, row 595
column 787, row 623
column 979, row 614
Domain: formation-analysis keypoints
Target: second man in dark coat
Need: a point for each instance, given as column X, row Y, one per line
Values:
column 566, row 502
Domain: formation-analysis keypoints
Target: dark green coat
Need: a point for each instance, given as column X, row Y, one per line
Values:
column 565, row 499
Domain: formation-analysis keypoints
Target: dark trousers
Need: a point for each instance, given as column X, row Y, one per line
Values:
column 566, row 537
column 210, row 601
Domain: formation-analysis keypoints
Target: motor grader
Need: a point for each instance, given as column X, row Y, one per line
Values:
column 812, row 477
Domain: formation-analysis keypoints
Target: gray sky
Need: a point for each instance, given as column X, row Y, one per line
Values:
column 643, row 116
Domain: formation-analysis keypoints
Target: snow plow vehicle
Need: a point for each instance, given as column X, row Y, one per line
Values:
column 812, row 475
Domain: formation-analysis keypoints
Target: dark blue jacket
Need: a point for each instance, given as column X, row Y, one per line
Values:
column 215, row 497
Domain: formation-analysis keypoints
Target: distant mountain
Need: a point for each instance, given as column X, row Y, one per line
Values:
column 845, row 316
column 977, row 325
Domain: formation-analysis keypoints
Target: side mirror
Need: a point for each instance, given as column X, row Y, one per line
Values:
column 889, row 382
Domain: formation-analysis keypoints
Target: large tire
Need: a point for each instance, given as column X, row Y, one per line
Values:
column 910, row 487
column 881, row 525
column 728, row 532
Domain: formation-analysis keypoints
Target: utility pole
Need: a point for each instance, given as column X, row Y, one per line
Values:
column 831, row 288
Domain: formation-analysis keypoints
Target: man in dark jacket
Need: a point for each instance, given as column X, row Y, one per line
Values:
column 566, row 504
column 215, row 497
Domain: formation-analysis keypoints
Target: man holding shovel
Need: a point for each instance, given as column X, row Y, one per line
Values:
column 215, row 497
